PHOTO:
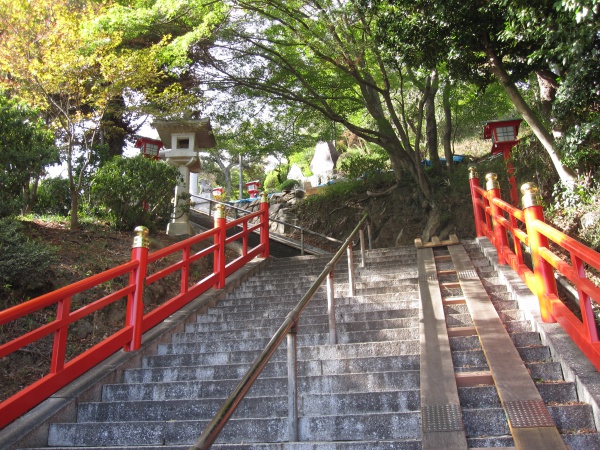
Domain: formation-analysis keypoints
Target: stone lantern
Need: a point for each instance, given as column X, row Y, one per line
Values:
column 182, row 140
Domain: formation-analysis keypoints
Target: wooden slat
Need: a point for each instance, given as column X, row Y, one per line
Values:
column 470, row 379
column 438, row 385
column 513, row 382
column 462, row 331
column 436, row 242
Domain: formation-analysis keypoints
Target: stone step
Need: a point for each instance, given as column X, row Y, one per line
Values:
column 258, row 318
column 326, row 352
column 244, row 332
column 388, row 444
column 189, row 342
column 485, row 422
column 362, row 275
column 251, row 407
column 478, row 397
column 316, row 306
column 472, row 342
column 293, row 299
column 459, row 320
column 343, row 427
column 341, row 289
column 161, row 369
column 168, row 410
column 264, row 386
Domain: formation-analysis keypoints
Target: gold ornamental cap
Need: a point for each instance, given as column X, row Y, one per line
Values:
column 220, row 213
column 473, row 172
column 141, row 238
column 491, row 181
column 531, row 196
column 263, row 197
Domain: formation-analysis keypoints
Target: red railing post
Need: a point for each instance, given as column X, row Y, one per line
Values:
column 585, row 303
column 135, row 300
column 219, row 258
column 500, row 237
column 264, row 231
column 185, row 270
column 543, row 272
column 59, row 348
column 473, row 183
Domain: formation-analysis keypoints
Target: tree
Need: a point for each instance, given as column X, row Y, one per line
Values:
column 26, row 148
column 135, row 191
column 52, row 56
column 509, row 40
column 323, row 56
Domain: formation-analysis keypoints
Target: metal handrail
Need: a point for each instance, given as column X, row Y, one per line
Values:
column 211, row 432
column 244, row 212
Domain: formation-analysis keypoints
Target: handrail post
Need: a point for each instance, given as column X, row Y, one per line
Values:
column 473, row 183
column 264, row 231
column 350, row 270
column 135, row 300
column 292, row 365
column 331, row 308
column 301, row 241
column 585, row 304
column 219, row 255
column 361, row 233
column 545, row 283
column 59, row 347
column 500, row 238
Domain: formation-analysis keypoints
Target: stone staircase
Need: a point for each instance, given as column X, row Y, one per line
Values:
column 574, row 419
column 362, row 393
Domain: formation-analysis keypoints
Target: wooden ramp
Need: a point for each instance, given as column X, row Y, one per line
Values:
column 528, row 418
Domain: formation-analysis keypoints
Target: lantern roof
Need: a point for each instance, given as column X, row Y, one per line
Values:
column 141, row 140
column 204, row 137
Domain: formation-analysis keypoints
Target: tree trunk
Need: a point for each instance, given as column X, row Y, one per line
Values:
column 74, row 224
column 431, row 123
column 115, row 126
column 566, row 175
column 447, row 139
column 548, row 84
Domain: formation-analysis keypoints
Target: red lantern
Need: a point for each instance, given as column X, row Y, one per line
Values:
column 252, row 188
column 504, row 137
column 149, row 147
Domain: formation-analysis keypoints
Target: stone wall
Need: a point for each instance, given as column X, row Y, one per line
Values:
column 280, row 208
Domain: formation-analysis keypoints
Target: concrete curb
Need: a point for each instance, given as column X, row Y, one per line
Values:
column 575, row 365
column 31, row 430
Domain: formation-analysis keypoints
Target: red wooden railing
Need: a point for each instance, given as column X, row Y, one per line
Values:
column 129, row 337
column 502, row 223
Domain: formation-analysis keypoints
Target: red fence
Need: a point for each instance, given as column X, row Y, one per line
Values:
column 129, row 337
column 512, row 231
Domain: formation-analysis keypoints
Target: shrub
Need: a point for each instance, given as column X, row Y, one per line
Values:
column 135, row 191
column 361, row 165
column 288, row 185
column 25, row 264
column 53, row 197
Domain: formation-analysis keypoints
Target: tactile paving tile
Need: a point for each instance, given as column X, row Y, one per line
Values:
column 441, row 418
column 468, row 275
column 528, row 414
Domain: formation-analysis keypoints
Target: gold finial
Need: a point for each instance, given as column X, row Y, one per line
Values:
column 141, row 238
column 473, row 172
column 491, row 181
column 263, row 197
column 220, row 214
column 531, row 196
